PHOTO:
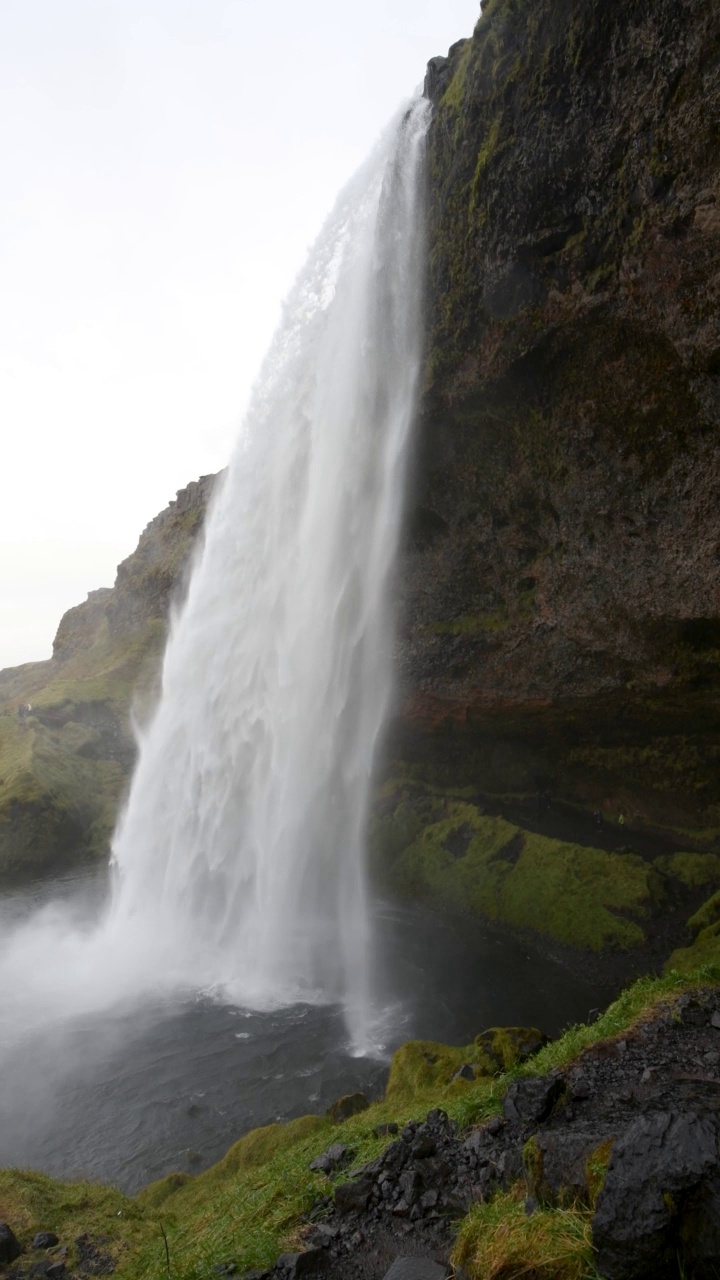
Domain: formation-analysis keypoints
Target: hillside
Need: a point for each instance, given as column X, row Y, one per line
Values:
column 65, row 765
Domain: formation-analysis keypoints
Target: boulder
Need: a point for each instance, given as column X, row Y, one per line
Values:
column 331, row 1159
column 291, row 1266
column 531, row 1099
column 10, row 1247
column 349, row 1105
column 45, row 1240
column 661, row 1199
column 352, row 1197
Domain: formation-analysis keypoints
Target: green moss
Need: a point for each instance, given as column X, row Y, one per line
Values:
column 533, row 1164
column 468, row 625
column 422, row 1067
column 705, row 950
column 485, row 154
column 455, row 92
column 596, row 1167
column 692, row 869
column 708, row 914
column 487, row 865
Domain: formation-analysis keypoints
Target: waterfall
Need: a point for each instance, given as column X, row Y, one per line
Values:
column 241, row 850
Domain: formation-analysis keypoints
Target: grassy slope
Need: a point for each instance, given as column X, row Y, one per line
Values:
column 61, row 780
column 249, row 1206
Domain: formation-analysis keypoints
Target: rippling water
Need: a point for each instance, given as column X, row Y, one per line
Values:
column 131, row 1095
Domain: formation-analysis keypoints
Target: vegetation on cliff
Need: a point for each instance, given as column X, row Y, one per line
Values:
column 64, row 764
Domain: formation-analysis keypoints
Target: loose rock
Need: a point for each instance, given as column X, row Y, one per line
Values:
column 10, row 1247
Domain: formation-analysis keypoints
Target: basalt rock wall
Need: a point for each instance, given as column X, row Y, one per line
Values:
column 561, row 583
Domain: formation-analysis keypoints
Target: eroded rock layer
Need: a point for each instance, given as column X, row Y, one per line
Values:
column 562, row 581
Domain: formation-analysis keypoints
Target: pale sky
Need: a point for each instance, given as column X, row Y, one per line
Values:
column 164, row 166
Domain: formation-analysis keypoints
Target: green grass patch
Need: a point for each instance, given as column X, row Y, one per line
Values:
column 499, row 1241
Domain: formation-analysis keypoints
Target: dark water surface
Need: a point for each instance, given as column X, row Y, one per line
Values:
column 131, row 1095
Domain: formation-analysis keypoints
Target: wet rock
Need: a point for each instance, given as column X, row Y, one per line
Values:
column 331, row 1159
column 385, row 1130
column 45, row 1240
column 352, row 1197
column 416, row 1269
column 558, row 1171
column 661, row 1198
column 292, row 1266
column 10, row 1247
column 225, row 1269
column 436, row 77
column 532, row 1099
column 692, row 1012
column 351, row 1104
column 323, row 1235
column 465, row 1072
column 423, row 1147
column 396, row 1155
column 410, row 1185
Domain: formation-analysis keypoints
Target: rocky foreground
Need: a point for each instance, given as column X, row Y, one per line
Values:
column 638, row 1117
column 609, row 1164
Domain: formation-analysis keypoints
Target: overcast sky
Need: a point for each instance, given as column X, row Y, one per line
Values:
column 164, row 166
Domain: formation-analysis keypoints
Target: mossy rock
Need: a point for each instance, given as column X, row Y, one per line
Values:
column 351, row 1104
column 422, row 1066
column 694, row 870
column 708, row 914
column 705, row 950
column 586, row 897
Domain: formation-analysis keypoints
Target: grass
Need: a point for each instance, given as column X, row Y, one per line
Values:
column 499, row 1241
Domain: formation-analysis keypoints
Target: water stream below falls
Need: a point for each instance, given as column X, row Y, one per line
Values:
column 132, row 1094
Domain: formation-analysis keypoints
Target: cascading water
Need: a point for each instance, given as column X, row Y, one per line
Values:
column 241, row 849
column 239, row 860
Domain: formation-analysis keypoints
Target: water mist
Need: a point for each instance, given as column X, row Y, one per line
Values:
column 238, row 862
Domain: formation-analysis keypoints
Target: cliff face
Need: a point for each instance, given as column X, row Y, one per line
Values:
column 64, row 764
column 562, row 580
